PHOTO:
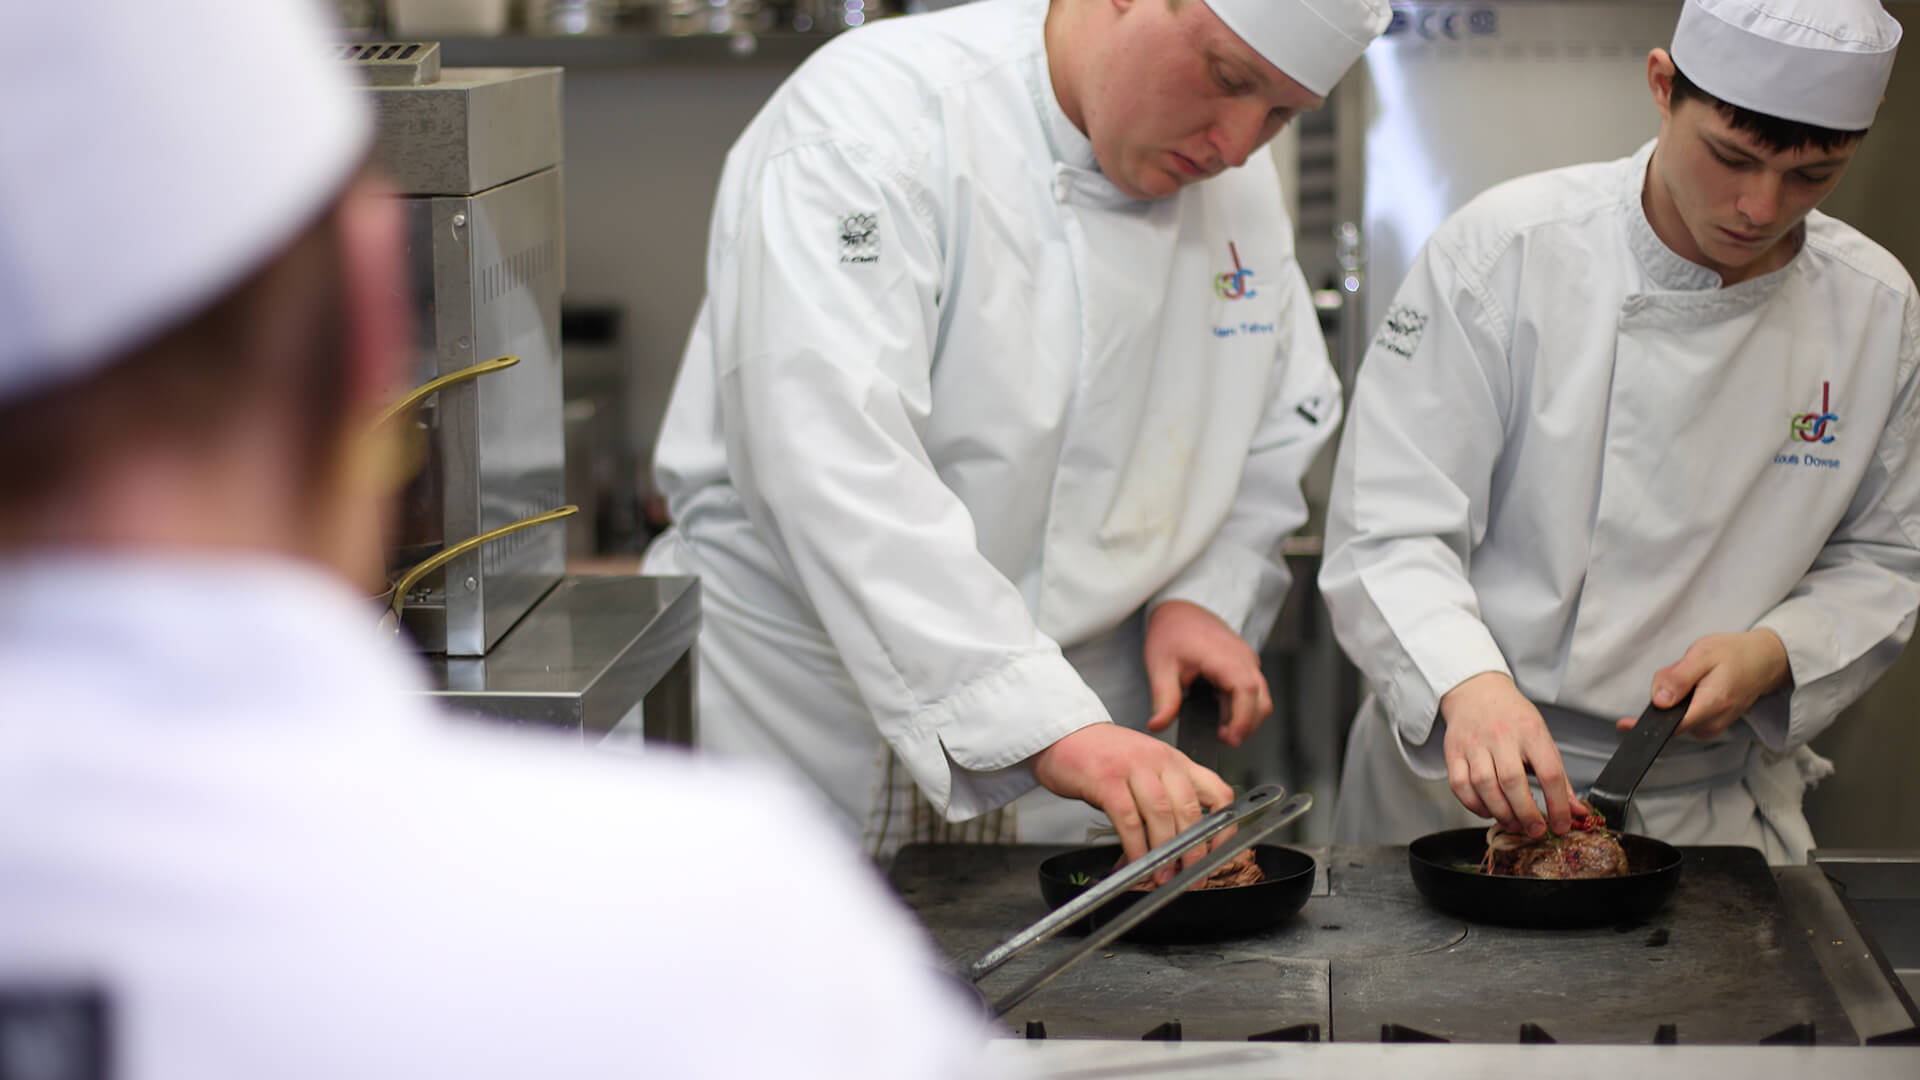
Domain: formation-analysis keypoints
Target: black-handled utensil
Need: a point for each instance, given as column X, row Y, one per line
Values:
column 1613, row 789
column 1197, row 732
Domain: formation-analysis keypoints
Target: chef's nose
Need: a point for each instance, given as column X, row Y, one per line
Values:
column 1759, row 201
column 1236, row 133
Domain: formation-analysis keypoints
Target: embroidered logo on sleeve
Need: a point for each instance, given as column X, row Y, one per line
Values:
column 860, row 238
column 1402, row 331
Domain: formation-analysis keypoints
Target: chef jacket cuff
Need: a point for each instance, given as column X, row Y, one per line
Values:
column 1414, row 696
column 1790, row 716
column 1228, row 583
column 984, row 732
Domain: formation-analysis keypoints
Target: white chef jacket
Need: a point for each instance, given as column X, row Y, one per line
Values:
column 224, row 809
column 1572, row 453
column 954, row 402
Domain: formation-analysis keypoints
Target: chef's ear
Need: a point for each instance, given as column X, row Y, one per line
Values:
column 372, row 258
column 1660, row 72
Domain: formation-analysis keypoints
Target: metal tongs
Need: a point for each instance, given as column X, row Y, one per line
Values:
column 1264, row 802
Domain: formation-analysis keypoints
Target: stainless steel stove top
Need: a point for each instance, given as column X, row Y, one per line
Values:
column 1729, row 961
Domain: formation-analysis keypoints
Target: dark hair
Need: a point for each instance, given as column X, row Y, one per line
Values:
column 1773, row 132
column 273, row 341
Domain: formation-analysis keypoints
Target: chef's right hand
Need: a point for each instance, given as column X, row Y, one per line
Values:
column 1150, row 790
column 1494, row 735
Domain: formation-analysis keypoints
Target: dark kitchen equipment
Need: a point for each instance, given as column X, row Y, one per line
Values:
column 1199, row 915
column 1262, row 802
column 1445, row 865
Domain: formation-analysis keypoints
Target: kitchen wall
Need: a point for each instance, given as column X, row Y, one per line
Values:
column 644, row 148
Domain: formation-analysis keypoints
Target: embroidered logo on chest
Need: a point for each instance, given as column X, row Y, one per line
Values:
column 1818, row 427
column 1235, row 284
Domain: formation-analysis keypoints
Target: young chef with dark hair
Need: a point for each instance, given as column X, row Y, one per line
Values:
column 235, row 839
column 995, row 413
column 1634, row 430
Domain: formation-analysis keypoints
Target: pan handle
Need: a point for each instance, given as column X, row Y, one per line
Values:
column 1144, row 908
column 1613, row 789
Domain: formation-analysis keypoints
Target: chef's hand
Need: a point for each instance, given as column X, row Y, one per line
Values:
column 1150, row 790
column 1494, row 735
column 1727, row 674
column 1185, row 641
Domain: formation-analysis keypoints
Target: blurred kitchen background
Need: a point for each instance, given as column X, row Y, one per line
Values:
column 1456, row 97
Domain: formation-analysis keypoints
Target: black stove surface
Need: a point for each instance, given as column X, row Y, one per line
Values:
column 1369, row 960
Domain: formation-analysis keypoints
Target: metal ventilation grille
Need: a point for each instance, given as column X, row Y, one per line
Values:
column 394, row 63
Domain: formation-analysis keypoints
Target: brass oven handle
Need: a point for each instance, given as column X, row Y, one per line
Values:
column 420, row 393
column 398, row 599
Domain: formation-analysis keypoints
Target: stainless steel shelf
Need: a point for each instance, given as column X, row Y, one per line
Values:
column 627, row 50
column 586, row 655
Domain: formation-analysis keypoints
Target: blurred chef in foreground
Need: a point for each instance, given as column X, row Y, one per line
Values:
column 994, row 417
column 1634, row 430
column 235, row 841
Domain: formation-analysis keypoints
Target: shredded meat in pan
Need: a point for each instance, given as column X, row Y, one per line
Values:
column 1588, row 850
column 1239, row 870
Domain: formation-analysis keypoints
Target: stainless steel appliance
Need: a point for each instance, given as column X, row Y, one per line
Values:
column 476, row 154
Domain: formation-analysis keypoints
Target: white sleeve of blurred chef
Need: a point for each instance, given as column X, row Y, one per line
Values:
column 1410, row 495
column 1241, row 576
column 1846, row 621
column 824, row 381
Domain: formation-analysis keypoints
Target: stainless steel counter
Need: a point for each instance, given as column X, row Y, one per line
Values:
column 1089, row 1060
column 586, row 656
column 1743, row 954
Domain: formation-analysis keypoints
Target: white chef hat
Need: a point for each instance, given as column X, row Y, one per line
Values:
column 151, row 156
column 1313, row 41
column 1821, row 62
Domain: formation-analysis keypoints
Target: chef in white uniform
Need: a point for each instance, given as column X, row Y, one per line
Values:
column 994, row 416
column 1635, row 429
column 235, row 839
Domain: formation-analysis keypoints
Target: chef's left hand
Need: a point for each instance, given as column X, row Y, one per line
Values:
column 1727, row 674
column 1185, row 641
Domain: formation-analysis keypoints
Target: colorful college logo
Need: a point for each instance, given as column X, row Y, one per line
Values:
column 1812, row 426
column 1232, row 285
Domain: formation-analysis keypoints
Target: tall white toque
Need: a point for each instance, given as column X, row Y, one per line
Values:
column 1313, row 41
column 1821, row 62
column 153, row 155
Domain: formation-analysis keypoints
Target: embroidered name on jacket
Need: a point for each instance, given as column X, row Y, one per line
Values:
column 1402, row 331
column 860, row 238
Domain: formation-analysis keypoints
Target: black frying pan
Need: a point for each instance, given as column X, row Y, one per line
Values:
column 1445, row 864
column 1198, row 915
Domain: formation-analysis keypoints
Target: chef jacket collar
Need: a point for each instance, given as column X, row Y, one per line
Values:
column 1667, row 269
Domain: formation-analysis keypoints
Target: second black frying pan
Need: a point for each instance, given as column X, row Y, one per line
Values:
column 1445, row 869
column 1445, row 865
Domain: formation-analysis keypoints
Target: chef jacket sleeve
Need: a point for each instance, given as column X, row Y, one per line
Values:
column 823, row 281
column 1240, row 576
column 1410, row 495
column 1847, row 619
